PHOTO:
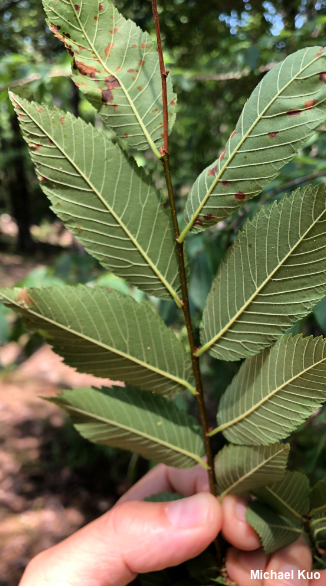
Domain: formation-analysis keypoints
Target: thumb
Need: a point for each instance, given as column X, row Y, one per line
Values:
column 132, row 538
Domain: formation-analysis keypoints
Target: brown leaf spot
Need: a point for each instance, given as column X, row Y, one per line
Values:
column 139, row 88
column 24, row 299
column 143, row 46
column 130, row 70
column 95, row 18
column 141, row 62
column 118, row 68
column 77, row 84
column 224, row 183
column 40, row 110
column 309, row 104
column 108, row 49
column 319, row 52
column 165, row 205
column 111, row 83
column 198, row 222
column 66, row 35
column 156, row 110
column 126, row 135
column 240, row 195
column 134, row 46
column 100, row 7
column 115, row 30
column 209, row 217
column 43, row 178
column 21, row 115
column 55, row 29
column 223, row 155
column 322, row 76
column 291, row 113
column 273, row 134
column 58, row 203
column 81, row 48
column 76, row 7
column 62, row 120
column 85, row 69
column 233, row 133
column 78, row 229
column 115, row 106
column 173, row 102
column 133, row 79
column 212, row 172
column 50, row 142
column 38, row 147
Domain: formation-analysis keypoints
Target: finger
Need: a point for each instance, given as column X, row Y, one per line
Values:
column 166, row 479
column 240, row 564
column 318, row 581
column 235, row 528
column 135, row 537
column 290, row 564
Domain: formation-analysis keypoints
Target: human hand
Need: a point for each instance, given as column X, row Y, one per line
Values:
column 138, row 537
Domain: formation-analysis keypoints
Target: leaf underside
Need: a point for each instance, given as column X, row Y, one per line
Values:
column 274, row 530
column 116, row 66
column 278, row 118
column 318, row 513
column 134, row 420
column 241, row 469
column 103, row 198
column 274, row 391
column 106, row 334
column 288, row 497
column 273, row 274
column 163, row 497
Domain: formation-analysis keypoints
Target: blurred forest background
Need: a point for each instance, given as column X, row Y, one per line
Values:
column 51, row 480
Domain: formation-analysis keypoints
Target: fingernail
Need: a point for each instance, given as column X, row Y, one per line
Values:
column 240, row 511
column 291, row 575
column 188, row 512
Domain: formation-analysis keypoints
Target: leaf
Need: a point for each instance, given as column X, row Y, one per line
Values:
column 274, row 391
column 274, row 274
column 275, row 122
column 241, row 469
column 318, row 513
column 108, row 203
column 163, row 497
column 134, row 420
column 274, row 530
column 203, row 568
column 288, row 497
column 106, row 334
column 116, row 66
column 160, row 578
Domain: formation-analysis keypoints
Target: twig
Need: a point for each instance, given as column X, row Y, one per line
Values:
column 294, row 183
column 183, row 278
column 232, row 74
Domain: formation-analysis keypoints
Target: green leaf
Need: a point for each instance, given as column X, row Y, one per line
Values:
column 288, row 497
column 116, row 65
column 160, row 578
column 318, row 513
column 241, row 469
column 203, row 568
column 163, row 497
column 274, row 274
column 108, row 203
column 274, row 391
column 107, row 334
column 278, row 118
column 134, row 420
column 274, row 530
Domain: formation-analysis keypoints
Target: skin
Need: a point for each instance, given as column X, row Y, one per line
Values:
column 138, row 537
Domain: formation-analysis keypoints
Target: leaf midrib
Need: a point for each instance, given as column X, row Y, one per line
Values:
column 226, row 164
column 262, row 401
column 137, row 432
column 139, row 120
column 257, row 291
column 106, row 347
column 248, row 474
column 295, row 513
column 98, row 194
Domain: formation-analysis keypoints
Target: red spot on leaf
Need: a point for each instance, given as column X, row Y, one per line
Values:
column 198, row 222
column 100, row 7
column 126, row 135
column 141, row 62
column 233, row 133
column 24, row 298
column 309, row 104
column 322, row 76
column 111, row 83
column 165, row 205
column 108, row 49
column 130, row 70
column 85, row 69
column 40, row 110
column 143, row 46
column 173, row 102
column 134, row 79
column 224, row 183
column 212, row 172
column 319, row 52
column 292, row 113
column 115, row 30
column 240, row 195
column 209, row 217
column 77, row 84
column 156, row 110
column 273, row 134
column 37, row 147
column 81, row 48
column 76, row 7
column 134, row 46
column 139, row 88
column 118, row 68
column 62, row 120
column 78, row 229
column 43, row 178
column 115, row 106
column 223, row 155
column 50, row 142
column 95, row 18
column 21, row 115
